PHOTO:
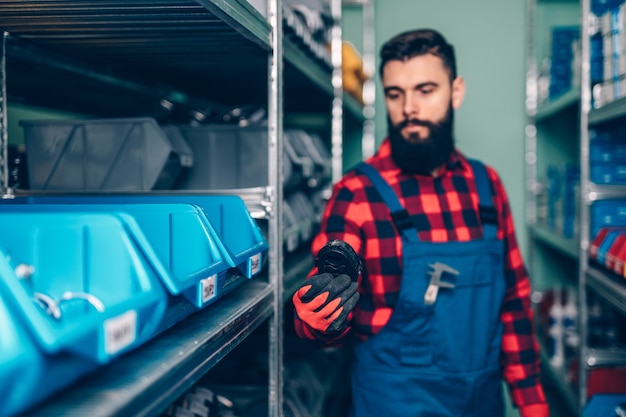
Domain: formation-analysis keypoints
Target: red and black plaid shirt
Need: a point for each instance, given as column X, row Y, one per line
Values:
column 444, row 208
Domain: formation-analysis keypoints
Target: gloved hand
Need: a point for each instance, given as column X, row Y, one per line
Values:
column 324, row 302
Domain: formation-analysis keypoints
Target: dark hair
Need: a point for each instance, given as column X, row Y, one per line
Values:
column 413, row 43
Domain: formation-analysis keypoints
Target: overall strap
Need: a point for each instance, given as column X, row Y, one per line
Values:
column 487, row 211
column 400, row 217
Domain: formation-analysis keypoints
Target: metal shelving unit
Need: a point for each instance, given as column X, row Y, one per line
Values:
column 113, row 58
column 569, row 113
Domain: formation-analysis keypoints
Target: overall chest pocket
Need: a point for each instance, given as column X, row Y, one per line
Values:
column 461, row 330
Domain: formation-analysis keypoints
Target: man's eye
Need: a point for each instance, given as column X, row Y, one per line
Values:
column 393, row 96
column 426, row 91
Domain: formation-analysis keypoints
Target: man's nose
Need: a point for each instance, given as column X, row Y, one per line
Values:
column 411, row 105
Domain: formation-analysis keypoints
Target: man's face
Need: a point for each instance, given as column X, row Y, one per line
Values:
column 420, row 100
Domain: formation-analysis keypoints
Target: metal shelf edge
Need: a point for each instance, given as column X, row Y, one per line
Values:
column 554, row 107
column 243, row 17
column 609, row 112
column 598, row 357
column 148, row 379
column 307, row 66
column 610, row 290
column 560, row 243
column 606, row 192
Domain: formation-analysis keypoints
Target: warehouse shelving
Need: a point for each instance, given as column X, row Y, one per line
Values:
column 116, row 58
column 558, row 132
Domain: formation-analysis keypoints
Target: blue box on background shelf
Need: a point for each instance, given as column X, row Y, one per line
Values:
column 607, row 155
column 570, row 198
column 553, row 177
column 605, row 405
column 607, row 213
column 561, row 58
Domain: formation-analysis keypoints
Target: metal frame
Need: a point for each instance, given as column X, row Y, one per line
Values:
column 369, row 88
column 337, row 83
column 4, row 165
column 584, row 206
column 275, row 136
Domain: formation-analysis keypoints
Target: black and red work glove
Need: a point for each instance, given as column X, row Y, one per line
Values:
column 324, row 301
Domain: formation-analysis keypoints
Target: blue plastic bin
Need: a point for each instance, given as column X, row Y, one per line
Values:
column 185, row 249
column 27, row 374
column 604, row 405
column 227, row 215
column 81, row 282
column 20, row 360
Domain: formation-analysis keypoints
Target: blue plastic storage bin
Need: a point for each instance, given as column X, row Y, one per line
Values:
column 129, row 154
column 603, row 405
column 227, row 215
column 607, row 213
column 81, row 282
column 20, row 360
column 186, row 251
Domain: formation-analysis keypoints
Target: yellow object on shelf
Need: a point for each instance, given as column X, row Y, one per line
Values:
column 353, row 74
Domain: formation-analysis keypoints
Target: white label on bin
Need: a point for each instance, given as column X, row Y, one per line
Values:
column 120, row 332
column 255, row 264
column 208, row 288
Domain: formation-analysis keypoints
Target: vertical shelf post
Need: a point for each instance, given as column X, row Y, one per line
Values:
column 337, row 83
column 275, row 227
column 368, row 147
column 4, row 165
column 585, row 187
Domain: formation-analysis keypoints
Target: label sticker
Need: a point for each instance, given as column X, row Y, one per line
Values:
column 255, row 264
column 208, row 288
column 120, row 332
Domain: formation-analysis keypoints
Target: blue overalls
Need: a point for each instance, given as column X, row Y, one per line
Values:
column 439, row 359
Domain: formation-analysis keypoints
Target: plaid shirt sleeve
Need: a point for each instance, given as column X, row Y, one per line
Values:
column 337, row 208
column 520, row 350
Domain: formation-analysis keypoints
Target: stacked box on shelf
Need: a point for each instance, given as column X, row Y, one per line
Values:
column 310, row 145
column 305, row 216
column 554, row 180
column 570, row 198
column 562, row 59
column 610, row 405
column 607, row 213
column 598, row 9
column 612, row 86
column 607, row 154
column 233, row 157
column 129, row 154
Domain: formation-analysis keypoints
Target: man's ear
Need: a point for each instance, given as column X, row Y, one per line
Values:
column 458, row 92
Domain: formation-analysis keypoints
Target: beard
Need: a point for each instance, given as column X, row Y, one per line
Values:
column 421, row 156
